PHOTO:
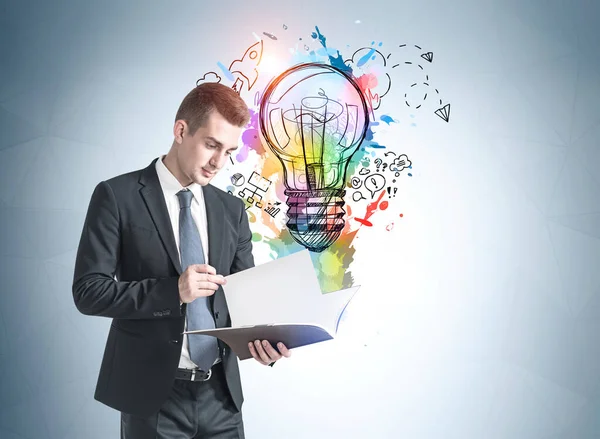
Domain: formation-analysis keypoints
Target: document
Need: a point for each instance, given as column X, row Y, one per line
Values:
column 280, row 301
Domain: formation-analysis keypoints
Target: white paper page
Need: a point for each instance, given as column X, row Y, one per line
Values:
column 285, row 290
column 333, row 304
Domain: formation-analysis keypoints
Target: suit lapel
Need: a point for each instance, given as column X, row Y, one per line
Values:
column 155, row 202
column 157, row 207
column 214, row 216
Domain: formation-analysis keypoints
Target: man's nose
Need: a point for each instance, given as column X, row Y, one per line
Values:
column 218, row 160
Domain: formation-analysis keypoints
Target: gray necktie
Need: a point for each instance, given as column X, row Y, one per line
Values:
column 203, row 348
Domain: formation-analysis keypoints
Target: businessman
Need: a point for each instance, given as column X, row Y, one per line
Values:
column 154, row 250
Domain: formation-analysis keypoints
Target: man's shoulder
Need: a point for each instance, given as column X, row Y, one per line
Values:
column 230, row 201
column 128, row 178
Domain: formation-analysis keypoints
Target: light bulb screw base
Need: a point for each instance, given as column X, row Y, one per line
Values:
column 315, row 217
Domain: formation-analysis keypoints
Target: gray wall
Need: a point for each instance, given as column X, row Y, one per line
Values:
column 479, row 315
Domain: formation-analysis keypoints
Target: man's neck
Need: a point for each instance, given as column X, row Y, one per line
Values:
column 171, row 164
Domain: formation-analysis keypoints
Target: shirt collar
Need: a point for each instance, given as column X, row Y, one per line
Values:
column 171, row 185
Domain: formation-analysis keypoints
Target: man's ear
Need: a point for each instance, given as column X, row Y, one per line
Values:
column 179, row 130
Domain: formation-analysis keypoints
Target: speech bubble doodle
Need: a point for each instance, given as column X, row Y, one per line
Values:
column 356, row 182
column 364, row 171
column 357, row 196
column 375, row 183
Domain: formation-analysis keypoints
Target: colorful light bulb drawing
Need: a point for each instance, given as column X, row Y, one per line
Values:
column 314, row 118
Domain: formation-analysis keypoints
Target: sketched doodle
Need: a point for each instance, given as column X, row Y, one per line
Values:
column 444, row 111
column 392, row 191
column 209, row 77
column 427, row 56
column 400, row 163
column 387, row 169
column 245, row 67
column 355, row 182
column 271, row 36
column 374, row 183
column 242, row 72
column 368, row 65
column 272, row 209
column 314, row 118
column 253, row 193
column 409, row 62
column 357, row 196
column 424, row 97
column 238, row 179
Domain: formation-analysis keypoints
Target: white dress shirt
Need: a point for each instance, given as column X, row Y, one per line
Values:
column 170, row 187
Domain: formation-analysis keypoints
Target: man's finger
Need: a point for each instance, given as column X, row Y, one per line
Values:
column 255, row 354
column 206, row 285
column 271, row 352
column 284, row 350
column 216, row 278
column 204, row 291
column 261, row 352
column 203, row 268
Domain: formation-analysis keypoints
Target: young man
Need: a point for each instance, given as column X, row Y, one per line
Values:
column 154, row 250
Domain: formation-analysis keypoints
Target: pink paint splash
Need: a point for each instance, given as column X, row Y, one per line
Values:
column 251, row 139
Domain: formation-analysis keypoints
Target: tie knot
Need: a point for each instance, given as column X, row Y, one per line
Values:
column 185, row 198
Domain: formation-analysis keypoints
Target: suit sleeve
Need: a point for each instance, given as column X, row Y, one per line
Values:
column 243, row 258
column 95, row 289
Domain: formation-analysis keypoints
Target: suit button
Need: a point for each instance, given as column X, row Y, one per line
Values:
column 175, row 341
column 217, row 315
column 157, row 314
column 167, row 312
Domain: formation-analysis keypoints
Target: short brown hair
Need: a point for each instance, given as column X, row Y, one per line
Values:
column 208, row 96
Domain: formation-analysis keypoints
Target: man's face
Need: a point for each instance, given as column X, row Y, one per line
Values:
column 202, row 155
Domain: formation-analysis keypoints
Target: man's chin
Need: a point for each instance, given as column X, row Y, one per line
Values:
column 202, row 180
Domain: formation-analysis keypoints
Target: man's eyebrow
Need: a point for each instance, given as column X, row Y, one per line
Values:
column 219, row 144
column 212, row 139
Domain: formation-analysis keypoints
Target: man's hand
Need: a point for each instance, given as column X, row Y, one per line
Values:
column 198, row 280
column 265, row 354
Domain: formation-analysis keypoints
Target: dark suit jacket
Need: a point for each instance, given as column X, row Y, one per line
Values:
column 127, row 233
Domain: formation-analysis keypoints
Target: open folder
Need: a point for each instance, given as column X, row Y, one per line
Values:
column 280, row 301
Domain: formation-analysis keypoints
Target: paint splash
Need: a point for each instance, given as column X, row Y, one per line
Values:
column 333, row 265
